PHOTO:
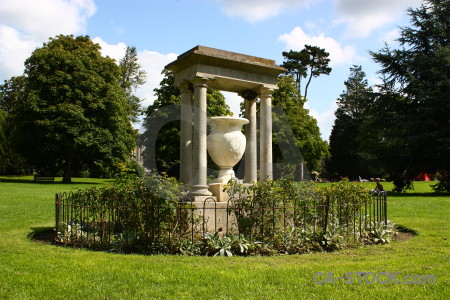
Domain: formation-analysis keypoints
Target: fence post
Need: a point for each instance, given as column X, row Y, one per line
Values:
column 385, row 207
column 57, row 212
column 325, row 223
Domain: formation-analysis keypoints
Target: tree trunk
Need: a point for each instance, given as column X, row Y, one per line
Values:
column 307, row 85
column 67, row 177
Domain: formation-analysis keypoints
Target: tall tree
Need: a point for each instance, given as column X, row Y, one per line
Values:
column 382, row 139
column 161, row 138
column 131, row 77
column 419, row 72
column 312, row 61
column 2, row 136
column 74, row 112
column 292, row 121
column 353, row 104
column 10, row 93
column 296, row 64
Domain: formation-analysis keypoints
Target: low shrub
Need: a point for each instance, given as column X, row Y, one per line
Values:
column 297, row 217
column 134, row 215
column 130, row 215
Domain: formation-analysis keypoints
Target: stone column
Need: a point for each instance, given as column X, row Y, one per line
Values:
column 199, row 184
column 138, row 154
column 186, row 134
column 265, row 159
column 251, row 152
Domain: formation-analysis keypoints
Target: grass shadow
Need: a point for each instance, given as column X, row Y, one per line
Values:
column 432, row 194
column 404, row 233
column 31, row 181
column 404, row 229
column 45, row 235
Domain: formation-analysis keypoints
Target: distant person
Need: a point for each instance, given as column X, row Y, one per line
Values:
column 379, row 186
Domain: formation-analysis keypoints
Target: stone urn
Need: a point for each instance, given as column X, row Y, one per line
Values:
column 226, row 145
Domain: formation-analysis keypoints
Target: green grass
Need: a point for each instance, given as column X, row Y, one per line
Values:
column 31, row 270
column 418, row 187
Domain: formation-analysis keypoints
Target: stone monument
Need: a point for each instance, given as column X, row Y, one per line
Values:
column 249, row 76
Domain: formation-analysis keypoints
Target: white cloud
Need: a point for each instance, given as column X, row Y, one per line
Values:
column 258, row 10
column 391, row 36
column 25, row 25
column 15, row 48
column 297, row 39
column 46, row 18
column 116, row 51
column 325, row 120
column 364, row 16
column 153, row 63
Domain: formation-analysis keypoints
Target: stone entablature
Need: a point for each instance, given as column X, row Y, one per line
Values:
column 225, row 70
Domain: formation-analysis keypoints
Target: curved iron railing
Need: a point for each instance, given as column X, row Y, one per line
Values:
column 81, row 221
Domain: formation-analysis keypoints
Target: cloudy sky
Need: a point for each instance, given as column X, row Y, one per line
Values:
column 163, row 29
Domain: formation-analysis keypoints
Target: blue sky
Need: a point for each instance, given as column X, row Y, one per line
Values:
column 163, row 29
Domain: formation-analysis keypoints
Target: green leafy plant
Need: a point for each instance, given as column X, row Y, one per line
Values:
column 333, row 237
column 380, row 233
column 214, row 244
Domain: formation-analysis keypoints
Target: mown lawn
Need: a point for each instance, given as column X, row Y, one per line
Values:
column 31, row 270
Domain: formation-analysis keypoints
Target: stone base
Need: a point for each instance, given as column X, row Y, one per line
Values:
column 199, row 190
column 217, row 190
column 214, row 215
column 225, row 174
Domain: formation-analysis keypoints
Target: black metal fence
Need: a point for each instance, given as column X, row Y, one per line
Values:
column 159, row 228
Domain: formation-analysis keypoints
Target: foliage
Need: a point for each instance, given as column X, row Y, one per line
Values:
column 74, row 112
column 2, row 133
column 131, row 77
column 289, row 217
column 132, row 167
column 162, row 125
column 10, row 94
column 384, row 139
column 380, row 233
column 292, row 122
column 311, row 59
column 139, row 214
column 418, row 74
column 215, row 244
column 353, row 105
column 272, row 217
column 138, row 168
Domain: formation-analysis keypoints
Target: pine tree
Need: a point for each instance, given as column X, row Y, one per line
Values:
column 131, row 77
column 353, row 105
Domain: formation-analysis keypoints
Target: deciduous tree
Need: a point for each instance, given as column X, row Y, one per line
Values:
column 74, row 112
column 293, row 121
column 10, row 93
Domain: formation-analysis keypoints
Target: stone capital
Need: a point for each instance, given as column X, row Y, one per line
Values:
column 265, row 92
column 200, row 82
column 185, row 86
column 249, row 95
